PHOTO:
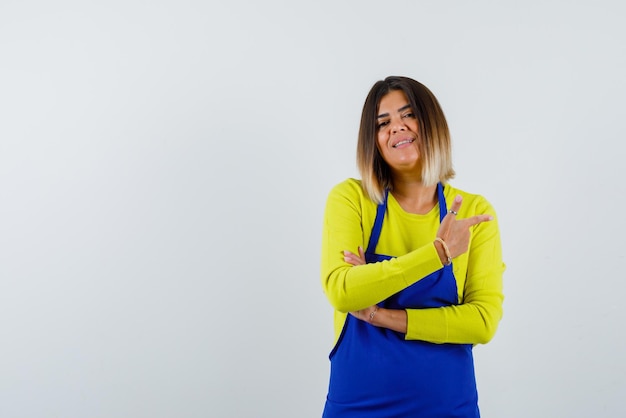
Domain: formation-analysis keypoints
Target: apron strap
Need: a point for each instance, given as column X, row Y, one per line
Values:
column 443, row 209
column 380, row 215
column 378, row 224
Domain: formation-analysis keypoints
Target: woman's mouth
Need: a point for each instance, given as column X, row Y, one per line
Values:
column 404, row 141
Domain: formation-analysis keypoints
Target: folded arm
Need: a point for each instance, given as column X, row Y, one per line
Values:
column 475, row 319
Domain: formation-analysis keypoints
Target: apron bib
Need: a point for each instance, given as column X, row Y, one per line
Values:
column 375, row 372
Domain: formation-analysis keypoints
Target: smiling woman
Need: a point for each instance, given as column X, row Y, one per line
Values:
column 398, row 132
column 428, row 285
column 400, row 105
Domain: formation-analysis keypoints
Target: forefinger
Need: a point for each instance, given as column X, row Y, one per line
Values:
column 476, row 219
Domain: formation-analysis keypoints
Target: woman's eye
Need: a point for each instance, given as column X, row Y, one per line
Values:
column 382, row 124
column 409, row 115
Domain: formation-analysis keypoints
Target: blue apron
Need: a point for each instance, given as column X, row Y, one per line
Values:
column 375, row 372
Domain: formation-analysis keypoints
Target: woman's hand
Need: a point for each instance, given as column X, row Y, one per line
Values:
column 393, row 319
column 456, row 232
column 366, row 314
column 355, row 260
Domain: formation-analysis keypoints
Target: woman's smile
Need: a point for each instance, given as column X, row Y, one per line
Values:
column 403, row 142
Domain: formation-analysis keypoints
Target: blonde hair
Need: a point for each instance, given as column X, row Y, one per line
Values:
column 434, row 145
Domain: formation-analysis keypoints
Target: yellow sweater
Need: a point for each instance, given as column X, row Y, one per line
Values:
column 348, row 221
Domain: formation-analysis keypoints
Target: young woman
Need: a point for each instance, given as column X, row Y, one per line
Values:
column 411, row 265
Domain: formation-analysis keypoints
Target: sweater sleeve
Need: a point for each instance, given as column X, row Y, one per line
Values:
column 351, row 288
column 475, row 319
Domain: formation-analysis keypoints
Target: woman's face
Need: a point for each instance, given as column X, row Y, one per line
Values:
column 398, row 132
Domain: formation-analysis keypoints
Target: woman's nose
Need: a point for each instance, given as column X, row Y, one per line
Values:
column 398, row 125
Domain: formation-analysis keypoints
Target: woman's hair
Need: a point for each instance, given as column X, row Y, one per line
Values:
column 433, row 142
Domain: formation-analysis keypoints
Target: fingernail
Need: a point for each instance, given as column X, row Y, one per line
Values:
column 458, row 198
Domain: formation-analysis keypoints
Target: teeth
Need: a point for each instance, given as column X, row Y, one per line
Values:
column 406, row 141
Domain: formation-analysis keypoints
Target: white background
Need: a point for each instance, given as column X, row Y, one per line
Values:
column 164, row 167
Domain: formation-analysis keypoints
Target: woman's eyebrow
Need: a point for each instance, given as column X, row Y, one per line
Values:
column 384, row 115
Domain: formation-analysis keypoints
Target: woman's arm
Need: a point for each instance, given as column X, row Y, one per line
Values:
column 475, row 320
column 394, row 319
column 352, row 288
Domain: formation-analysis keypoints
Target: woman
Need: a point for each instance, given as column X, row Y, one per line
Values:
column 411, row 265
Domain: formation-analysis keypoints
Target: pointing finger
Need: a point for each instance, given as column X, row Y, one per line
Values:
column 475, row 220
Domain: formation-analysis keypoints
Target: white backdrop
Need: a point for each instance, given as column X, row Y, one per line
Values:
column 164, row 167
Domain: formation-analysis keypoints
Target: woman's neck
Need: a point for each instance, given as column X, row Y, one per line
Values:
column 413, row 196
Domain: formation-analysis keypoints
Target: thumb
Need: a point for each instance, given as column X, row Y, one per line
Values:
column 456, row 204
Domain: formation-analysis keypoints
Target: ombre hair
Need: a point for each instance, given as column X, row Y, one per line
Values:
column 434, row 137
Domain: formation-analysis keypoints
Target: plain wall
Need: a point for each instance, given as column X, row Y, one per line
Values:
column 164, row 168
